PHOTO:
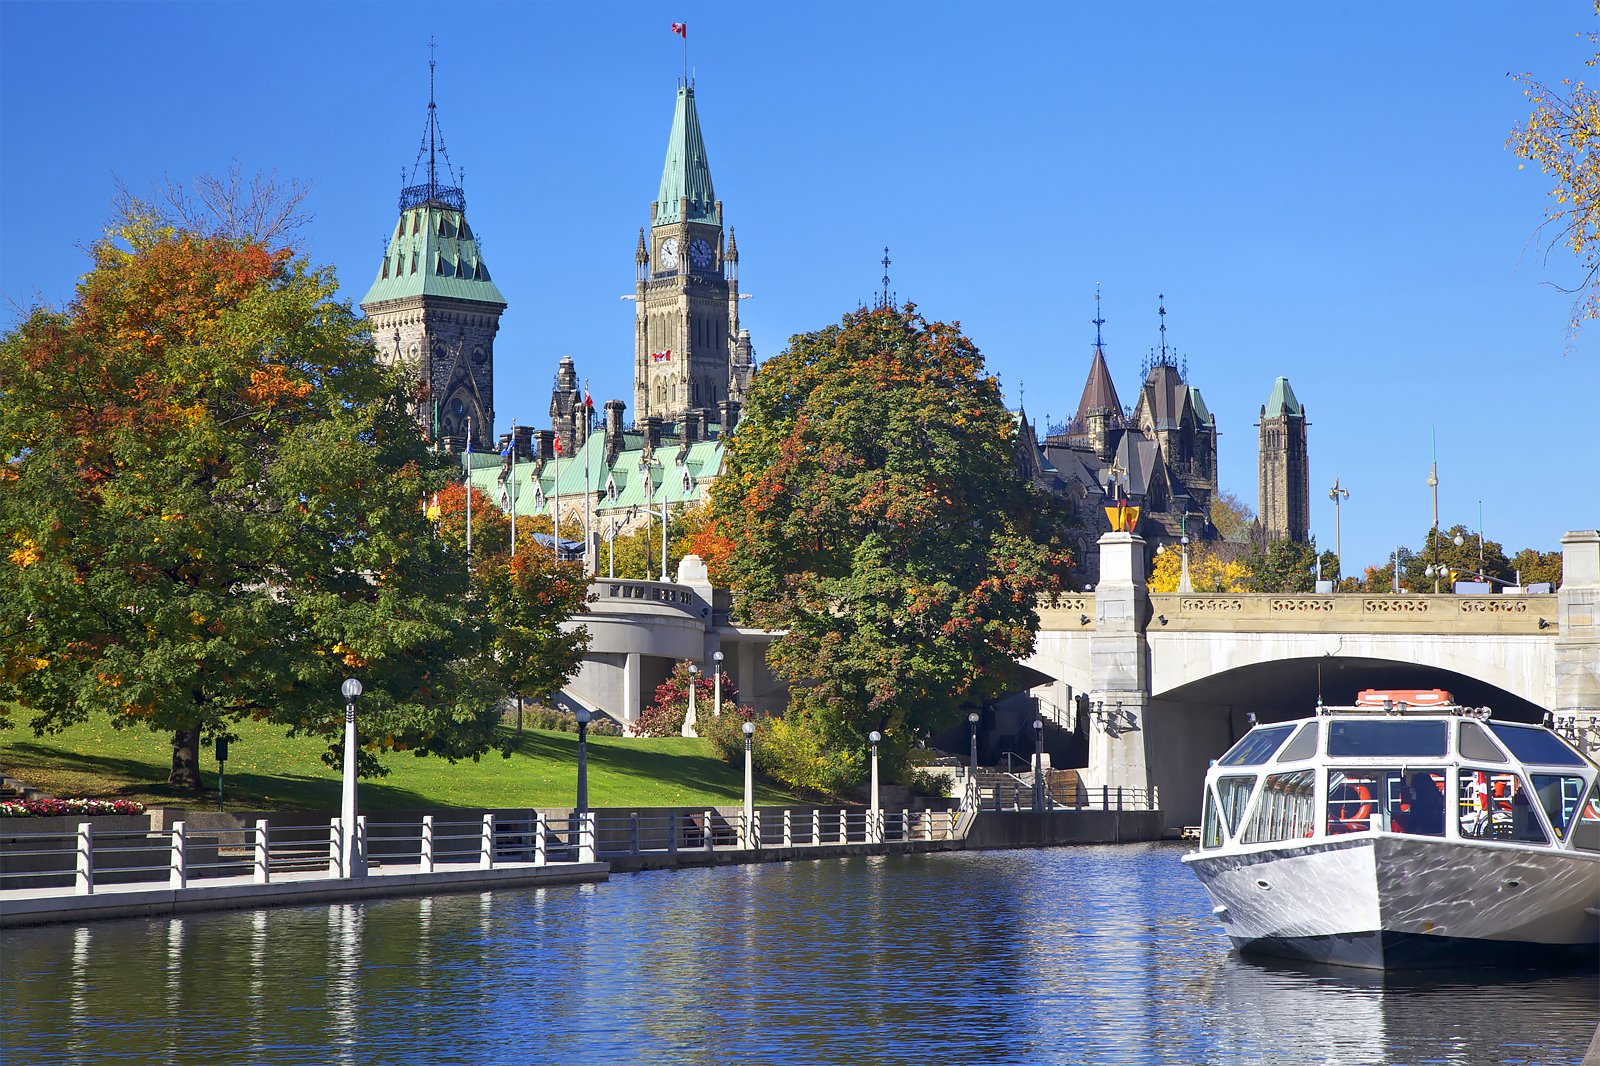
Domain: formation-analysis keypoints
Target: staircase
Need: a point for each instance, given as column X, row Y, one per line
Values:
column 1065, row 789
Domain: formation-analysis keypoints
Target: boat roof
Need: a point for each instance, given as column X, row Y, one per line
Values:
column 1407, row 701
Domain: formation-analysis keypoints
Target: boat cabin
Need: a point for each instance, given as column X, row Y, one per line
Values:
column 1405, row 762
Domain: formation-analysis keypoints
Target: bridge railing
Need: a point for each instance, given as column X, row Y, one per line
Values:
column 1353, row 612
column 654, row 593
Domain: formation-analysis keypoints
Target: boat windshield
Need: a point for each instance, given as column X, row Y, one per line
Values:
column 1392, row 798
column 1257, row 745
column 1494, row 805
column 1385, row 737
column 1558, row 794
column 1530, row 743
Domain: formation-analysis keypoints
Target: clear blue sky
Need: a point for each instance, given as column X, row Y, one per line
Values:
column 1320, row 191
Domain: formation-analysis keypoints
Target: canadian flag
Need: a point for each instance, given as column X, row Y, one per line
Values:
column 588, row 401
column 681, row 29
column 662, row 357
column 558, row 447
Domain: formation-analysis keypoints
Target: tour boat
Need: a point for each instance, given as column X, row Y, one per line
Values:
column 1404, row 832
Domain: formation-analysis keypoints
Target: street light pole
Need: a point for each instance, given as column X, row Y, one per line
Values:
column 1335, row 494
column 874, row 828
column 1433, row 483
column 353, row 859
column 716, row 691
column 583, row 717
column 972, row 723
column 691, row 720
column 1038, row 764
column 750, row 841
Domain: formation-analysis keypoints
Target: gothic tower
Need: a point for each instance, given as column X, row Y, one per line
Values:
column 433, row 307
column 1285, row 470
column 689, row 353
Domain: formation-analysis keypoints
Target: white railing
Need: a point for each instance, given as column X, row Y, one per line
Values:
column 83, row 858
column 672, row 832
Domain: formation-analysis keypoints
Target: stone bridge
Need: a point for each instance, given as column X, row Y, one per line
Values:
column 1159, row 684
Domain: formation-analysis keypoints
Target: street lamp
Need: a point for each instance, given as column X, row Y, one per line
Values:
column 1337, row 493
column 583, row 717
column 690, row 720
column 716, row 691
column 1038, row 764
column 353, row 856
column 972, row 723
column 749, row 729
column 874, row 833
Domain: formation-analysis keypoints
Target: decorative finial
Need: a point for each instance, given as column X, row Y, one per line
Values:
column 1098, row 320
column 1161, row 309
column 415, row 195
column 883, row 300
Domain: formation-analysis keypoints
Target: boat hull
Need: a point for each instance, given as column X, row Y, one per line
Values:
column 1387, row 901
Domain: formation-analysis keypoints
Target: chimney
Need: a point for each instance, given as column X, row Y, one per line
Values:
column 524, row 443
column 728, row 416
column 652, row 432
column 613, row 430
column 694, row 426
column 547, row 445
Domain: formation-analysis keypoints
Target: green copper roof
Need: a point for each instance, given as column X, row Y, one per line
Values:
column 432, row 252
column 1282, row 399
column 536, row 487
column 1201, row 413
column 686, row 173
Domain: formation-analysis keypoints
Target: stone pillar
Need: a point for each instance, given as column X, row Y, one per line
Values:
column 630, row 688
column 1119, row 663
column 1577, row 660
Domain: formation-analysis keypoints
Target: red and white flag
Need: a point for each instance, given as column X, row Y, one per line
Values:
column 662, row 357
column 681, row 29
column 558, row 446
column 588, row 401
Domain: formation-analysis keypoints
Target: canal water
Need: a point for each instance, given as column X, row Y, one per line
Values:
column 1069, row 955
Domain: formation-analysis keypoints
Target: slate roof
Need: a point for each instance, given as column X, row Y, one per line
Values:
column 1099, row 393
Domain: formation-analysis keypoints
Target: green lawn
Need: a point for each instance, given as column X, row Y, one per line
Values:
column 268, row 771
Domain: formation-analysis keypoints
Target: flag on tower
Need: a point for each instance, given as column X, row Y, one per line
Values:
column 662, row 357
column 681, row 29
column 588, row 401
column 558, row 446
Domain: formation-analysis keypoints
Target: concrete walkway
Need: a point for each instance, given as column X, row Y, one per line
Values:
column 43, row 906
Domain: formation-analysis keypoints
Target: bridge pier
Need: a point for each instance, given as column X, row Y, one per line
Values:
column 1576, row 680
column 1119, row 662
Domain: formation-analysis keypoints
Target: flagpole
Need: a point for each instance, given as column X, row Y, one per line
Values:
column 556, row 513
column 469, row 488
column 513, row 492
column 587, row 488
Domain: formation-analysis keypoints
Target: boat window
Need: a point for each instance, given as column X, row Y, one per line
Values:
column 1391, row 798
column 1287, row 808
column 1474, row 743
column 1303, row 746
column 1558, row 794
column 1256, row 746
column 1385, row 737
column 1530, row 743
column 1586, row 833
column 1210, row 824
column 1233, row 795
column 1494, row 805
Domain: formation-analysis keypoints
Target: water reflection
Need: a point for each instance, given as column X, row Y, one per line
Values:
column 1103, row 955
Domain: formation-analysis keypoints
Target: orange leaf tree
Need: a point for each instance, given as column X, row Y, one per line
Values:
column 877, row 514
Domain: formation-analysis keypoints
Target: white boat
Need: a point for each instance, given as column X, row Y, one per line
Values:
column 1405, row 831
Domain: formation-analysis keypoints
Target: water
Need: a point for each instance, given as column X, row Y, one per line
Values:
column 1072, row 955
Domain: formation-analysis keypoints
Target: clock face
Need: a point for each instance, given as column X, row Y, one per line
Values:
column 700, row 253
column 669, row 253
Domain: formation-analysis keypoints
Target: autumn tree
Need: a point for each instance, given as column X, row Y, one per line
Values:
column 210, row 505
column 1231, row 515
column 1562, row 135
column 878, row 517
column 1533, row 566
column 1209, row 571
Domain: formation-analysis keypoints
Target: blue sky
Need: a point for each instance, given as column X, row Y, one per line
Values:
column 1320, row 191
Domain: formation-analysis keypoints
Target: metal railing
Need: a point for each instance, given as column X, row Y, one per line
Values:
column 83, row 858
column 672, row 832
column 1018, row 795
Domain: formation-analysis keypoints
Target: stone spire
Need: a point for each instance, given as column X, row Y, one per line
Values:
column 686, row 194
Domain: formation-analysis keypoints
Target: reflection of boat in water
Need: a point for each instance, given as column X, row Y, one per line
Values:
column 1405, row 831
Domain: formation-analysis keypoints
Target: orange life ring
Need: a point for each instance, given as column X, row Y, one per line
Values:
column 1357, row 821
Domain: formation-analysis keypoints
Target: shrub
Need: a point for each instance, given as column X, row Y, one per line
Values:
column 924, row 783
column 665, row 715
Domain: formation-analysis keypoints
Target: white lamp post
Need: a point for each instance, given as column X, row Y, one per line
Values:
column 1336, row 494
column 972, row 724
column 690, row 720
column 1038, row 763
column 583, row 717
column 749, row 729
column 354, row 857
column 874, row 828
column 716, row 692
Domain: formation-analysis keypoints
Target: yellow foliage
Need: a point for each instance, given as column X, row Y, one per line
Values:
column 1207, row 572
column 27, row 554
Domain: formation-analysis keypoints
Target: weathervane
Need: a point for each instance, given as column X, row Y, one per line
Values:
column 1098, row 320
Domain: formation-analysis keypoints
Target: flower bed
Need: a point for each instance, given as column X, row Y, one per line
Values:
column 58, row 808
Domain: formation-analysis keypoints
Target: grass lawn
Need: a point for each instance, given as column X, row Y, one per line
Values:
column 268, row 771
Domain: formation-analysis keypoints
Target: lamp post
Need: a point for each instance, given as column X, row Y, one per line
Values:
column 1038, row 764
column 583, row 717
column 716, row 683
column 1433, row 483
column 1337, row 493
column 749, row 729
column 354, row 858
column 1183, row 544
column 972, row 724
column 874, row 834
column 691, row 720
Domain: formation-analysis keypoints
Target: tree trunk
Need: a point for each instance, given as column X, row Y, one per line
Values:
column 185, row 759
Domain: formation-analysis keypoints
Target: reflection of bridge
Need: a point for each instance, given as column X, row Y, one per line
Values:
column 1190, row 669
column 1187, row 670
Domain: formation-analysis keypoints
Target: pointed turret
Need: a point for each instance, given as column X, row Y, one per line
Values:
column 686, row 194
column 1099, row 410
column 1285, row 467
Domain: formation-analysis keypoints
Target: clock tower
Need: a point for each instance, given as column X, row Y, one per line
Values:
column 688, row 351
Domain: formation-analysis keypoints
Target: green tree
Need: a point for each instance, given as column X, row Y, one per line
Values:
column 1534, row 566
column 879, row 518
column 211, row 509
column 1459, row 561
column 1282, row 566
column 1562, row 135
column 1231, row 515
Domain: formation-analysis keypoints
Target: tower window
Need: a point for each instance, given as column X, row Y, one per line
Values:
column 413, row 262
